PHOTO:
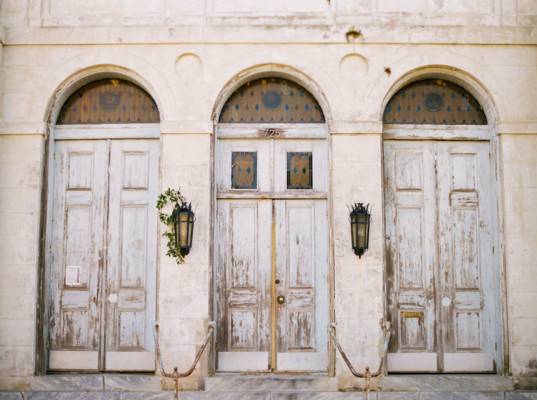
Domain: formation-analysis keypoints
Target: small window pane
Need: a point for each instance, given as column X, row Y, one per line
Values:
column 299, row 170
column 244, row 170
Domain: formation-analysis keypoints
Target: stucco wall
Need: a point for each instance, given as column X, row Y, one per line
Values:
column 20, row 181
column 519, row 154
column 187, row 55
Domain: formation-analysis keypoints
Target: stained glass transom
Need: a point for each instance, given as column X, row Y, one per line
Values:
column 299, row 170
column 272, row 100
column 244, row 170
column 109, row 101
column 434, row 101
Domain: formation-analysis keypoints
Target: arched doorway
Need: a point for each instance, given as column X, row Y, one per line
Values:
column 102, row 230
column 271, row 230
column 441, row 231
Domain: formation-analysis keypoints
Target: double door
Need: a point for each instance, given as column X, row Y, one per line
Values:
column 101, row 268
column 441, row 272
column 272, row 255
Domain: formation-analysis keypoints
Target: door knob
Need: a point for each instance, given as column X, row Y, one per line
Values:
column 280, row 299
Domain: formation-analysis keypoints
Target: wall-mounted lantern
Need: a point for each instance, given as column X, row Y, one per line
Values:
column 184, row 226
column 360, row 219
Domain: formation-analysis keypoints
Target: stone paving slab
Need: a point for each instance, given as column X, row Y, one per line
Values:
column 49, row 395
column 323, row 396
column 66, row 382
column 10, row 396
column 398, row 396
column 437, row 383
column 461, row 395
column 132, row 383
column 123, row 395
column 521, row 395
column 271, row 384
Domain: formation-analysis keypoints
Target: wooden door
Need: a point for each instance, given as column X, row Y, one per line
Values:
column 271, row 240
column 301, row 239
column 76, row 261
column 439, row 256
column 103, row 255
column 467, row 275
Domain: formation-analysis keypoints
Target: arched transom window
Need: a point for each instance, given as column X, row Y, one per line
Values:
column 271, row 100
column 109, row 101
column 436, row 102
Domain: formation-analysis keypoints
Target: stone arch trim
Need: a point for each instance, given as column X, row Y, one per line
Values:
column 453, row 75
column 270, row 71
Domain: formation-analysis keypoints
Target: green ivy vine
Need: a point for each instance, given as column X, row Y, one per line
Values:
column 173, row 197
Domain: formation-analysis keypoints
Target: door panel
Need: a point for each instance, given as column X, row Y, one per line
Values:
column 438, row 232
column 261, row 150
column 466, row 261
column 411, row 254
column 301, row 269
column 132, row 234
column 78, row 215
column 103, row 255
column 243, row 284
column 319, row 164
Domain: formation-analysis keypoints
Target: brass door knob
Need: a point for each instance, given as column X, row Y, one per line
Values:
column 280, row 299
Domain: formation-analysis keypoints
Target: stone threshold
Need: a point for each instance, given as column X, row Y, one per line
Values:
column 96, row 382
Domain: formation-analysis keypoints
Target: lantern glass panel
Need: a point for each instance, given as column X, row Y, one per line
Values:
column 362, row 230
column 183, row 229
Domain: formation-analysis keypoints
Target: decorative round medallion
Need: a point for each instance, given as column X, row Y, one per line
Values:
column 272, row 100
column 108, row 100
column 188, row 66
column 433, row 102
column 353, row 66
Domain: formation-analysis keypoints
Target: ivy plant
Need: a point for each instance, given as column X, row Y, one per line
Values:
column 170, row 197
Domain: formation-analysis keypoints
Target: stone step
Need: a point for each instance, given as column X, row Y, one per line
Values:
column 122, row 395
column 270, row 383
column 437, row 383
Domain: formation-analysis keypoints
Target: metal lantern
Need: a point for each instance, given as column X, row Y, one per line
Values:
column 360, row 218
column 184, row 226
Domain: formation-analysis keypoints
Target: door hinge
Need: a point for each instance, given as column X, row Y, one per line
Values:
column 54, row 155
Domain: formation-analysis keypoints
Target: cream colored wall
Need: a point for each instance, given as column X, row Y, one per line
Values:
column 198, row 57
column 20, row 175
column 519, row 153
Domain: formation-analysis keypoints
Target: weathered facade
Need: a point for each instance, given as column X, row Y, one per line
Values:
column 272, row 118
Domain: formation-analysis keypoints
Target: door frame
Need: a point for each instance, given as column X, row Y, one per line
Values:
column 63, row 91
column 285, row 132
column 471, row 134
